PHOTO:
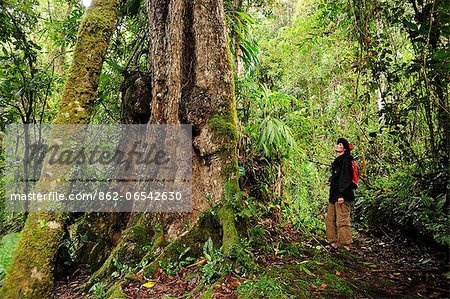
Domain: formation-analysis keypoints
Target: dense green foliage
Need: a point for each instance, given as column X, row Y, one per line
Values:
column 404, row 49
column 336, row 68
column 306, row 73
column 35, row 46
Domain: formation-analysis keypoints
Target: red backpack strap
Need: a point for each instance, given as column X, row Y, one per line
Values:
column 355, row 178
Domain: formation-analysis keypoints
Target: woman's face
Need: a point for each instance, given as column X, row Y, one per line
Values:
column 339, row 148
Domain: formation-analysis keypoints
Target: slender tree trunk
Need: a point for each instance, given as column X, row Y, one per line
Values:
column 31, row 273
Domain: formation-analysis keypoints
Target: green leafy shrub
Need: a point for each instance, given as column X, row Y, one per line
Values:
column 214, row 262
column 172, row 266
column 399, row 201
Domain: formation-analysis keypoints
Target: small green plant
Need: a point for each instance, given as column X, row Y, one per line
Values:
column 42, row 223
column 98, row 289
column 214, row 261
column 121, row 269
column 168, row 266
column 186, row 225
column 171, row 267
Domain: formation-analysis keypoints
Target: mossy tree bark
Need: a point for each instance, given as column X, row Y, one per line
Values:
column 192, row 83
column 31, row 273
column 104, row 231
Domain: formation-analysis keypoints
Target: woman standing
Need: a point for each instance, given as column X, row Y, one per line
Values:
column 338, row 227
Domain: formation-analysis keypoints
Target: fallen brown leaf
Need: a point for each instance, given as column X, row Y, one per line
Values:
column 312, row 287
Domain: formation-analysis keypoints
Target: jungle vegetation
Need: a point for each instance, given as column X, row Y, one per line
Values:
column 268, row 86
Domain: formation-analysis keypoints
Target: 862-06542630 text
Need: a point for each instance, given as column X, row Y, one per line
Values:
column 102, row 196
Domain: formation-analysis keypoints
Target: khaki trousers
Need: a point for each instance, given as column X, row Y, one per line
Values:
column 337, row 223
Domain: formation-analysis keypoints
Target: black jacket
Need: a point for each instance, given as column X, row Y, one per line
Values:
column 341, row 184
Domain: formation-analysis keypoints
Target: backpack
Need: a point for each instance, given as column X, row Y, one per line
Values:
column 355, row 177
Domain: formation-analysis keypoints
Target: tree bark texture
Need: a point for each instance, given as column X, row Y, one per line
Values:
column 192, row 84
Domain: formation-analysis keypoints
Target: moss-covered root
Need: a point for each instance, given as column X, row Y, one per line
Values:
column 31, row 273
column 116, row 291
column 206, row 227
column 98, row 232
column 128, row 253
column 230, row 238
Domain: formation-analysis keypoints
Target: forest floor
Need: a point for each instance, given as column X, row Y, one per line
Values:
column 300, row 265
column 294, row 264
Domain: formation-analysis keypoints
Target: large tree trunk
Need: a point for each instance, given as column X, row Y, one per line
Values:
column 31, row 273
column 192, row 83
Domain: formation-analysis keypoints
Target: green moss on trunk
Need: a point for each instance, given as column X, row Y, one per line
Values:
column 224, row 127
column 31, row 274
column 90, row 50
column 116, row 291
column 35, row 256
column 225, row 133
column 127, row 253
column 207, row 226
column 230, row 237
